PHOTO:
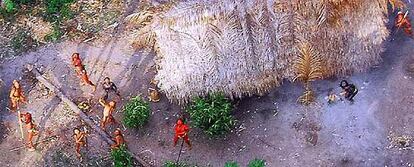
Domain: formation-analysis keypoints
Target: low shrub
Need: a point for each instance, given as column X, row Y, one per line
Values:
column 9, row 6
column 257, row 163
column 136, row 113
column 212, row 114
column 56, row 11
column 231, row 164
column 121, row 157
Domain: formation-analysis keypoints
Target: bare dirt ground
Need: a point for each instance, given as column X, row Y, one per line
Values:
column 272, row 127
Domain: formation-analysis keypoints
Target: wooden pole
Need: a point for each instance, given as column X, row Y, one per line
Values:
column 179, row 154
column 81, row 114
column 20, row 124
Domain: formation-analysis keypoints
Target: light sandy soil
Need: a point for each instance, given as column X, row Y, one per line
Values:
column 269, row 127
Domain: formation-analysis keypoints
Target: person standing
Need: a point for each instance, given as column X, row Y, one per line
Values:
column 108, row 87
column 181, row 132
column 31, row 129
column 118, row 139
column 80, row 70
column 80, row 140
column 16, row 96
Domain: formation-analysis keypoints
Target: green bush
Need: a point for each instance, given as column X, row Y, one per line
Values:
column 231, row 164
column 9, row 6
column 212, row 114
column 257, row 163
column 58, row 10
column 136, row 113
column 121, row 157
column 173, row 164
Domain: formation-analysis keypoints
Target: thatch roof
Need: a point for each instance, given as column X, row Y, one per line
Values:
column 244, row 47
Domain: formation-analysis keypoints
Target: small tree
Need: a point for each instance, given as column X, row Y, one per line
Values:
column 231, row 164
column 136, row 113
column 257, row 163
column 121, row 157
column 212, row 114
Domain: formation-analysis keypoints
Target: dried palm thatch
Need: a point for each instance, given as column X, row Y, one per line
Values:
column 309, row 68
column 242, row 47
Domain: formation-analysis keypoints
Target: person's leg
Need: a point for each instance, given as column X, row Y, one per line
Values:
column 13, row 105
column 187, row 140
column 78, row 145
column 347, row 95
column 106, row 94
column 30, row 140
column 103, row 122
column 175, row 140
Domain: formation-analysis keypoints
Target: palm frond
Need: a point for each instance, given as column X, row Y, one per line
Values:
column 309, row 64
column 144, row 40
column 140, row 18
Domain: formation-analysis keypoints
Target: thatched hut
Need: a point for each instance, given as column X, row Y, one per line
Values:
column 244, row 47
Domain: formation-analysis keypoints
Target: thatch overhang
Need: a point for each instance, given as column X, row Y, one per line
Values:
column 248, row 47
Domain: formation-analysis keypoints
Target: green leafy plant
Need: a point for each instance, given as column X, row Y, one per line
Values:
column 136, row 112
column 231, row 164
column 121, row 157
column 173, row 164
column 9, row 6
column 212, row 114
column 257, row 163
column 58, row 10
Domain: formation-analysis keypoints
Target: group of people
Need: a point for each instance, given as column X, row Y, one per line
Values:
column 17, row 97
